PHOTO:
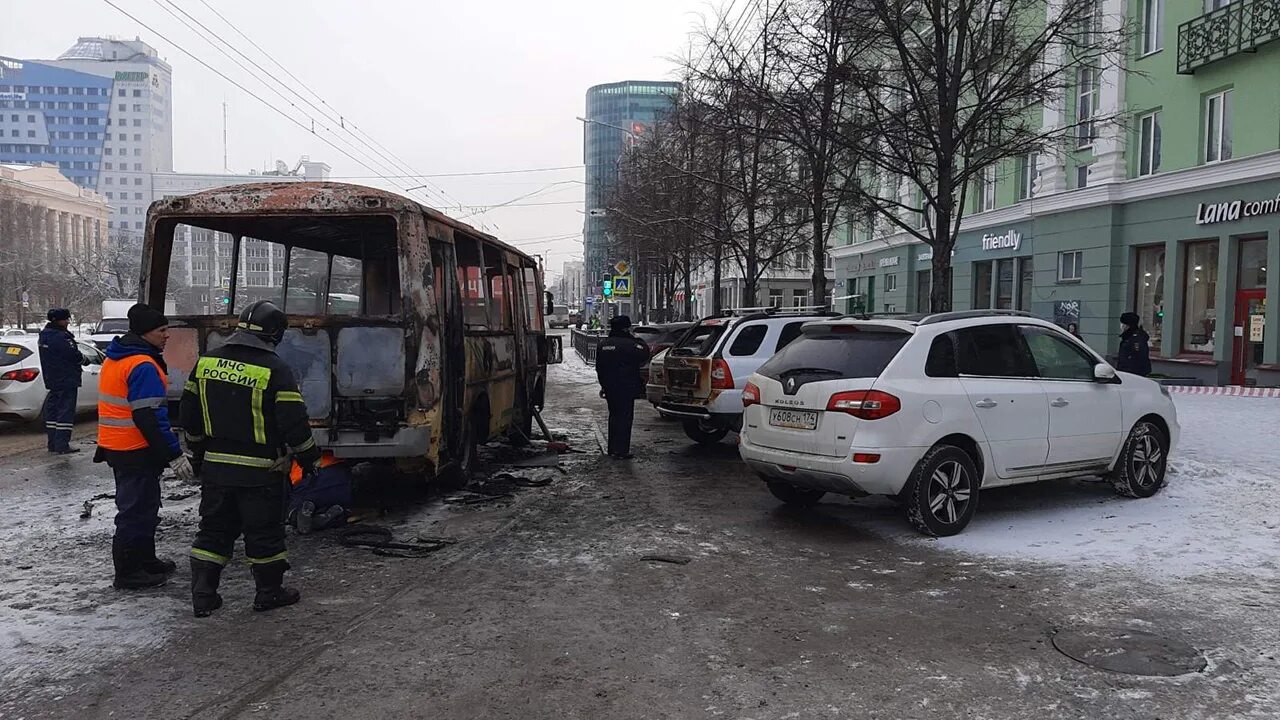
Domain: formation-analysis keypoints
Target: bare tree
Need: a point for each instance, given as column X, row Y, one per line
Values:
column 804, row 92
column 948, row 91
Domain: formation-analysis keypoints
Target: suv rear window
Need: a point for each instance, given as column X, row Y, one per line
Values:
column 832, row 357
column 700, row 340
column 13, row 354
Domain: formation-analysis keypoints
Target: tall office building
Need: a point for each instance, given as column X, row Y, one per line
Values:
column 101, row 112
column 617, row 113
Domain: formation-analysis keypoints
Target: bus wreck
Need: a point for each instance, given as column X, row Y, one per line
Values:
column 414, row 337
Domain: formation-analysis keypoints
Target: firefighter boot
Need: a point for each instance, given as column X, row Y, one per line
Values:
column 155, row 565
column 204, row 587
column 272, row 593
column 130, row 575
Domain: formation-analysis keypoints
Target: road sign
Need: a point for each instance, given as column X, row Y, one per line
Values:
column 622, row 267
column 621, row 284
column 597, row 212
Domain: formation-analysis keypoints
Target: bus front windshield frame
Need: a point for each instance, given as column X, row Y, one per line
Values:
column 217, row 266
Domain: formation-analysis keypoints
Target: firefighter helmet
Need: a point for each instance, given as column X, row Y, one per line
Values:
column 265, row 320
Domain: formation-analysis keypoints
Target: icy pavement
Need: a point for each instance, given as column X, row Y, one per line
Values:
column 1219, row 511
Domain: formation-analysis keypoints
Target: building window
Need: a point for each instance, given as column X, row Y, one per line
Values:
column 1004, row 284
column 121, row 107
column 1152, row 26
column 1148, row 291
column 987, row 189
column 982, row 285
column 121, row 92
column 775, row 298
column 1027, row 170
column 1199, row 299
column 1217, row 126
column 1149, row 143
column 1082, row 177
column 1086, row 105
column 1071, row 266
column 1026, row 277
column 890, row 283
column 1253, row 265
column 137, row 93
column 924, row 285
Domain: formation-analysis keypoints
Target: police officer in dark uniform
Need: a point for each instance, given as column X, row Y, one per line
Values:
column 60, row 364
column 619, row 360
column 244, row 417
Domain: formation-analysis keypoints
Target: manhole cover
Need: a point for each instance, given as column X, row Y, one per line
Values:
column 1129, row 651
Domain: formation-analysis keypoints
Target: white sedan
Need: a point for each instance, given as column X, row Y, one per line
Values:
column 22, row 390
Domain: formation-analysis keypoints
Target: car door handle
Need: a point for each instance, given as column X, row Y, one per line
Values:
column 1060, row 402
column 985, row 403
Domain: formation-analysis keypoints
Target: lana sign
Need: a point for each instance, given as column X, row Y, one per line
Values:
column 1234, row 210
column 1011, row 240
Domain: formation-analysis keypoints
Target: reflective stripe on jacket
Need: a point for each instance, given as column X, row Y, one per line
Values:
column 116, row 428
column 244, row 415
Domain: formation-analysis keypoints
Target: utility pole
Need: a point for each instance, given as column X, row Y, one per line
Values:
column 224, row 135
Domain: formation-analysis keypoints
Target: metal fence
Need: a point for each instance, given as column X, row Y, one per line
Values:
column 585, row 343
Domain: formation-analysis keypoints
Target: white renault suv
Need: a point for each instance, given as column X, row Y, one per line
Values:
column 931, row 410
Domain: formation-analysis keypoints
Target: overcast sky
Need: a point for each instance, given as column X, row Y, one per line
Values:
column 448, row 86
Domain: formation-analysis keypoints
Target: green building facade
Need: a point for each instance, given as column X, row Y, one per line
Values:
column 1173, row 213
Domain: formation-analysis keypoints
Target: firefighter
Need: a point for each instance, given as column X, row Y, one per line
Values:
column 243, row 417
column 60, row 363
column 135, row 439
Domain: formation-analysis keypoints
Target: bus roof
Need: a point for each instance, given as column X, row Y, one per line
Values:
column 285, row 198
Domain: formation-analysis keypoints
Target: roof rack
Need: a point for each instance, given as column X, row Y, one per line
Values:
column 966, row 314
column 774, row 310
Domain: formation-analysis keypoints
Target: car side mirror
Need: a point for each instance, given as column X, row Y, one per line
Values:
column 555, row 349
column 1104, row 373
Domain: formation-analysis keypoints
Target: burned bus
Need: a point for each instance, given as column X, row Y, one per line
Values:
column 414, row 337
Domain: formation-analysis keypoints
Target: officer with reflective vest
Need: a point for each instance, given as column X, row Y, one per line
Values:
column 60, row 364
column 135, row 439
column 244, row 417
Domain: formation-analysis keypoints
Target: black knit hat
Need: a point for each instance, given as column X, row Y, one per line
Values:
column 144, row 318
column 622, row 322
column 57, row 314
column 1130, row 319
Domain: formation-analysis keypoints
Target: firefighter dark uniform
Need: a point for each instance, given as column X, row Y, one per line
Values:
column 619, row 360
column 244, row 417
column 60, row 365
column 136, row 440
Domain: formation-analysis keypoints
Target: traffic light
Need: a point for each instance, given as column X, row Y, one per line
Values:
column 608, row 288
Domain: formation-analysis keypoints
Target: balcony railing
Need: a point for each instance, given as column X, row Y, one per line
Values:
column 1240, row 27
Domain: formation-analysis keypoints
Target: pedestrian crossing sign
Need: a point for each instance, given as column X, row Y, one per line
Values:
column 621, row 284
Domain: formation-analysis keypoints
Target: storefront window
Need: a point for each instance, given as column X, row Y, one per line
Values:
column 1004, row 284
column 1253, row 264
column 1200, row 294
column 982, row 285
column 1027, row 275
column 924, row 285
column 1148, row 301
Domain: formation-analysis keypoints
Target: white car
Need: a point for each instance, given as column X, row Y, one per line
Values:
column 707, row 369
column 931, row 410
column 22, row 390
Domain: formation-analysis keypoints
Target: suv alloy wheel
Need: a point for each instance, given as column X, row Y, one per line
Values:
column 942, row 493
column 1139, row 472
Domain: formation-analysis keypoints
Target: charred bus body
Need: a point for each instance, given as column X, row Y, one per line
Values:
column 414, row 337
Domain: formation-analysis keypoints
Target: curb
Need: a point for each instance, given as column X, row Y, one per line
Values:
column 1230, row 390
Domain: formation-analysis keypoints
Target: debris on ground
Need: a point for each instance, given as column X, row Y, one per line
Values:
column 469, row 498
column 88, row 504
column 178, row 496
column 381, row 540
column 545, row 460
column 673, row 559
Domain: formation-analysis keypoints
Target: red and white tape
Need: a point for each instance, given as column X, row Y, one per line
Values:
column 1233, row 390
